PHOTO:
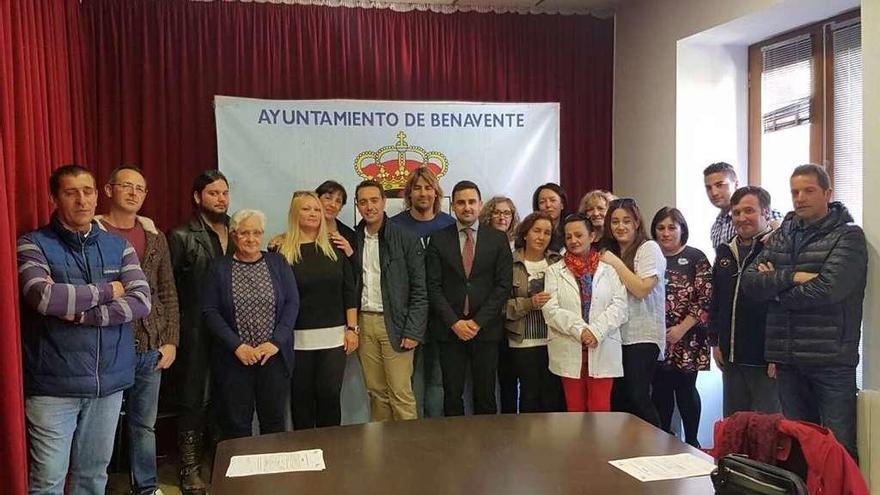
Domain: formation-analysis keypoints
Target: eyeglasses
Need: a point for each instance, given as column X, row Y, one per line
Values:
column 128, row 186
column 502, row 213
column 249, row 233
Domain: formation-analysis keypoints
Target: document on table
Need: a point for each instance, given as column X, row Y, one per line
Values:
column 664, row 467
column 280, row 462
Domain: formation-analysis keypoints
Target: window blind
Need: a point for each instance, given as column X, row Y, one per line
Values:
column 787, row 83
column 847, row 46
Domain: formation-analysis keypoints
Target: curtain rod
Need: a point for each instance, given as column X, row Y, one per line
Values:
column 600, row 13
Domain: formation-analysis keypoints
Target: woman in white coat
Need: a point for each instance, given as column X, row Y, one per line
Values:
column 587, row 306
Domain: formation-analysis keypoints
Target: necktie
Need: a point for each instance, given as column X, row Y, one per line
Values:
column 467, row 258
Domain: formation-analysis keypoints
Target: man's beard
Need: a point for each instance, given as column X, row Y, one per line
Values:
column 212, row 216
column 423, row 209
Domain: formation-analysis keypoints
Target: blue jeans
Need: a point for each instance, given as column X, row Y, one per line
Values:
column 427, row 381
column 141, row 407
column 824, row 395
column 74, row 433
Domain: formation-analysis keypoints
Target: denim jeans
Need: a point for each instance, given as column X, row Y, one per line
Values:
column 70, row 433
column 427, row 381
column 824, row 395
column 141, row 407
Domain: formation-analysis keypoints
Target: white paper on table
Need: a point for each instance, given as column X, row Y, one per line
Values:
column 280, row 462
column 664, row 467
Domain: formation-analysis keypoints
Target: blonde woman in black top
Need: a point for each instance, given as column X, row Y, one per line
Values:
column 326, row 328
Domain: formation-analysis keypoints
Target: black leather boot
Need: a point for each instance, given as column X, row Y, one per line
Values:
column 190, row 445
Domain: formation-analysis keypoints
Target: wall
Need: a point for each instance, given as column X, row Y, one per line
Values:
column 711, row 125
column 871, row 220
column 645, row 155
column 644, row 149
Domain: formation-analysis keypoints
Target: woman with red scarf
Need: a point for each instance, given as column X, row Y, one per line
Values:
column 587, row 306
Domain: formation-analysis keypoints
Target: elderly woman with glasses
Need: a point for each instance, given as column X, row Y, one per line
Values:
column 500, row 212
column 250, row 307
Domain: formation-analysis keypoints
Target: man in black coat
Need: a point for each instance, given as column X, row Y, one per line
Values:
column 813, row 272
column 193, row 246
column 469, row 273
column 737, row 321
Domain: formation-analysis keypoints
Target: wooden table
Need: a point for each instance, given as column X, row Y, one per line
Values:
column 535, row 454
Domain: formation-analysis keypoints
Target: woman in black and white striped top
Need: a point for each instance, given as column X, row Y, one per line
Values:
column 540, row 390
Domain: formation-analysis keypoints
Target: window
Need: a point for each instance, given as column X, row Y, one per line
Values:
column 805, row 106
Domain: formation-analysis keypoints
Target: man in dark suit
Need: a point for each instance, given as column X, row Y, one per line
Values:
column 469, row 272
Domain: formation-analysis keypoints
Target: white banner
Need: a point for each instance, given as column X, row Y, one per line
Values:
column 270, row 148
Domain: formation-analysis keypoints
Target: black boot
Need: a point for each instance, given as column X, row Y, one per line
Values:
column 190, row 445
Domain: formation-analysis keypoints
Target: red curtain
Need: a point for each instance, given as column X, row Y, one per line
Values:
column 158, row 64
column 103, row 82
column 42, row 125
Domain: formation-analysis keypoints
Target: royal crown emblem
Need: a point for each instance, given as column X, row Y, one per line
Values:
column 391, row 165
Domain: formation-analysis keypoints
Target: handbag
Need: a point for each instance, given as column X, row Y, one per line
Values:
column 739, row 475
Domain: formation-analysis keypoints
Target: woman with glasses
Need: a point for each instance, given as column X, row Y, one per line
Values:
column 326, row 328
column 500, row 212
column 585, row 310
column 526, row 331
column 688, row 295
column 551, row 199
column 594, row 205
column 641, row 267
column 250, row 308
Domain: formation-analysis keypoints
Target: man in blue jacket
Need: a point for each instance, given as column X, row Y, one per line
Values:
column 80, row 289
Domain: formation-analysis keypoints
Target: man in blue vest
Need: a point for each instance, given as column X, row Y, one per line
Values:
column 80, row 289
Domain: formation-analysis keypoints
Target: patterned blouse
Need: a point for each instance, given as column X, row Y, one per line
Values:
column 253, row 299
column 688, row 293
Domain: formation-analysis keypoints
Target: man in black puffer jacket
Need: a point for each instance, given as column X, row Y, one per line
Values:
column 812, row 272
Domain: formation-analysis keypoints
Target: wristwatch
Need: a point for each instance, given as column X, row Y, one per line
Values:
column 356, row 329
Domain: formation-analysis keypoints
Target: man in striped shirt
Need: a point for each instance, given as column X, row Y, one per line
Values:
column 80, row 289
column 720, row 181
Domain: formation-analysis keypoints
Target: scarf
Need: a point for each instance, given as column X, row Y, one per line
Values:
column 583, row 270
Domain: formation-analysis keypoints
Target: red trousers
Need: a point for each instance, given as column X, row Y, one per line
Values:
column 587, row 394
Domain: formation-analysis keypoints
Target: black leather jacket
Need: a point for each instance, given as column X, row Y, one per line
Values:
column 192, row 246
column 818, row 322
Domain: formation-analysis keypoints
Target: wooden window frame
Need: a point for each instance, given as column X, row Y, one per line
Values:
column 822, row 101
